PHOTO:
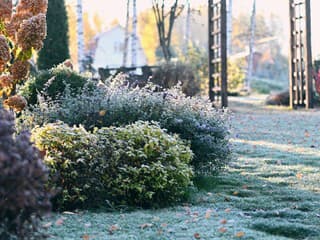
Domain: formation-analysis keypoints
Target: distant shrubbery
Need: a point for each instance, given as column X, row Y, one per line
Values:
column 173, row 73
column 139, row 165
column 115, row 104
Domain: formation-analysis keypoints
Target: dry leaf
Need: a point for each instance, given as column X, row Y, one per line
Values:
column 86, row 237
column 235, row 193
column 59, row 222
column 208, row 214
column 227, row 210
column 240, row 234
column 196, row 236
column 222, row 230
column 102, row 113
column 113, row 228
column 146, row 225
column 47, row 225
column 223, row 221
column 306, row 134
column 299, row 175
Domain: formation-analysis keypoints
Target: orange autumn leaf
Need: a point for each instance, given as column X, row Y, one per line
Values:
column 85, row 237
column 299, row 175
column 235, row 193
column 240, row 234
column 102, row 113
column 208, row 214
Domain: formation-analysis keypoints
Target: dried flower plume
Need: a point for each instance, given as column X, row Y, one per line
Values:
column 16, row 102
column 32, row 32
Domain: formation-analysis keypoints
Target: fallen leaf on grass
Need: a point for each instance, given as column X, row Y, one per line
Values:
column 196, row 236
column 59, row 222
column 235, row 193
column 145, row 225
column 222, row 230
column 240, row 234
column 227, row 210
column 102, row 113
column 223, row 221
column 47, row 225
column 85, row 237
column 113, row 228
column 299, row 175
column 208, row 214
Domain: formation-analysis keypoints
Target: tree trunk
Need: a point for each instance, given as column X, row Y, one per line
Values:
column 251, row 46
column 80, row 35
column 134, row 35
column 126, row 40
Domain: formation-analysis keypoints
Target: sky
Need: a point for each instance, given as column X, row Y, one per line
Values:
column 116, row 9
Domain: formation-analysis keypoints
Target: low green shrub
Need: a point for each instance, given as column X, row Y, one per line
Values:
column 24, row 197
column 147, row 167
column 137, row 165
column 194, row 119
column 52, row 83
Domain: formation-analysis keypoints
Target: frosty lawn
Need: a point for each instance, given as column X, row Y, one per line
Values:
column 270, row 191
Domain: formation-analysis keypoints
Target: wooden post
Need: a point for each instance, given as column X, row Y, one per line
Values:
column 308, row 57
column 300, row 57
column 223, row 49
column 210, row 50
column 218, row 86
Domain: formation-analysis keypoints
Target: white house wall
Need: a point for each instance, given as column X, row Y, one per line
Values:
column 110, row 47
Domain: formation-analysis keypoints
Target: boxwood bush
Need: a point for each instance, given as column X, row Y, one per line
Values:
column 115, row 104
column 52, row 83
column 137, row 165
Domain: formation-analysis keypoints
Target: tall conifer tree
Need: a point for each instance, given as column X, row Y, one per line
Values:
column 56, row 48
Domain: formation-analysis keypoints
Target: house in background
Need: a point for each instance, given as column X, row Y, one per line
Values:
column 107, row 48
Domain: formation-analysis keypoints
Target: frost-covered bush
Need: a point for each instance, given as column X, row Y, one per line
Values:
column 52, row 83
column 23, row 195
column 138, row 165
column 115, row 104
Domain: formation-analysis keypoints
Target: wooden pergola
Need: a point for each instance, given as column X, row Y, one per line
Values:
column 300, row 57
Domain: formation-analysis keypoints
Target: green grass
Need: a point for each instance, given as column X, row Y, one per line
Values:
column 270, row 191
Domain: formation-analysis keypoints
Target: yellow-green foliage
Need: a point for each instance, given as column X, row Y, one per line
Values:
column 139, row 164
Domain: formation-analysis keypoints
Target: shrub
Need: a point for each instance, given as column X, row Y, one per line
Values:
column 138, row 165
column 193, row 119
column 170, row 74
column 147, row 167
column 72, row 157
column 52, row 83
column 23, row 195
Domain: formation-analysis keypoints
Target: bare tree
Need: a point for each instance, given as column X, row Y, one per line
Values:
column 165, row 20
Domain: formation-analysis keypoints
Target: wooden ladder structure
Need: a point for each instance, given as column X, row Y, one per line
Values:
column 218, row 87
column 300, row 58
